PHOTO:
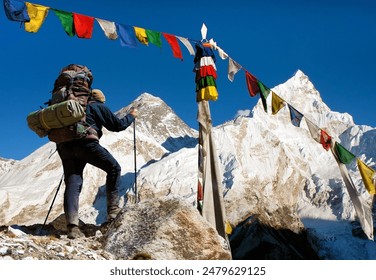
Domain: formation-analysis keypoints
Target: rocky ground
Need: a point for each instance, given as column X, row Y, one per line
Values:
column 157, row 229
column 35, row 243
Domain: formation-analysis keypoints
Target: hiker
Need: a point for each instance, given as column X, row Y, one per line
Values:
column 75, row 154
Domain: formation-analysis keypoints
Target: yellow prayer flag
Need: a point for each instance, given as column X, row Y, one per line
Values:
column 367, row 176
column 277, row 103
column 37, row 14
column 207, row 93
column 228, row 228
column 141, row 35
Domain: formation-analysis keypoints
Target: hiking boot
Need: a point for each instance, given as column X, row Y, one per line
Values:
column 112, row 213
column 74, row 232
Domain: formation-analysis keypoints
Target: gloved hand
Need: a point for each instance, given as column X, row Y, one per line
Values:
column 134, row 112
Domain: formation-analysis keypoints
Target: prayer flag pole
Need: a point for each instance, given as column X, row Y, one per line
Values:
column 209, row 194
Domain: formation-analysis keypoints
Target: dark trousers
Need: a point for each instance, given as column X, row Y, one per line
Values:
column 75, row 155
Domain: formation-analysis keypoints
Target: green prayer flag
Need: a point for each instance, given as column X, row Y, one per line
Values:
column 66, row 19
column 205, row 82
column 154, row 37
column 344, row 155
column 264, row 94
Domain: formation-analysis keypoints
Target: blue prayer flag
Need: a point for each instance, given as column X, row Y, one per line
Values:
column 295, row 116
column 127, row 35
column 16, row 10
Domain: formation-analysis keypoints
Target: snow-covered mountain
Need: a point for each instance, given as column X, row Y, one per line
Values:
column 273, row 172
column 5, row 165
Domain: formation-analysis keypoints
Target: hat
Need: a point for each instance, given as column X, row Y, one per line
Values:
column 98, row 95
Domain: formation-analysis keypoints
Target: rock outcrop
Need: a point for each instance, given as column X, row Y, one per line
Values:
column 164, row 229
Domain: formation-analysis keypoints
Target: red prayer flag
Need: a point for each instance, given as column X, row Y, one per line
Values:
column 83, row 25
column 200, row 191
column 325, row 140
column 252, row 84
column 173, row 41
column 205, row 71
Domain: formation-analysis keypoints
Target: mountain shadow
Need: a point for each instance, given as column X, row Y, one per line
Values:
column 253, row 240
column 127, row 184
column 174, row 144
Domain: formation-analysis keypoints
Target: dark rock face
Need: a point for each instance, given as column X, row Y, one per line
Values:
column 253, row 240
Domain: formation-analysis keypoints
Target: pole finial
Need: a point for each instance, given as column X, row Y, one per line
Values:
column 204, row 32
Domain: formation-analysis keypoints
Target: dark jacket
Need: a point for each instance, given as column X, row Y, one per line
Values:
column 98, row 115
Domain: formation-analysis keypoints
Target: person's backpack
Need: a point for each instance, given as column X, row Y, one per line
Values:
column 74, row 82
column 71, row 92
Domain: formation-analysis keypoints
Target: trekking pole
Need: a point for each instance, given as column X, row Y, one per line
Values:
column 58, row 188
column 135, row 160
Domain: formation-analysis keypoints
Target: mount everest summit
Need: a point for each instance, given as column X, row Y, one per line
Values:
column 279, row 184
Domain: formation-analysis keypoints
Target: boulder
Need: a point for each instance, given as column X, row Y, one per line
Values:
column 164, row 229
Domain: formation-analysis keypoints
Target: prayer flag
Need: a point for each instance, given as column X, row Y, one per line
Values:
column 252, row 84
column 367, row 174
column 187, row 44
column 314, row 130
column 171, row 39
column 277, row 103
column 295, row 115
column 141, row 35
column 233, row 68
column 108, row 28
column 207, row 93
column 16, row 10
column 83, row 25
column 344, row 155
column 222, row 53
column 211, row 205
column 205, row 82
column 325, row 140
column 204, row 50
column 154, row 37
column 126, row 35
column 204, row 61
column 206, row 71
column 264, row 94
column 37, row 14
column 362, row 209
column 66, row 19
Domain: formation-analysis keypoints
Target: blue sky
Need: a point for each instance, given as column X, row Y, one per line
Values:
column 333, row 42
